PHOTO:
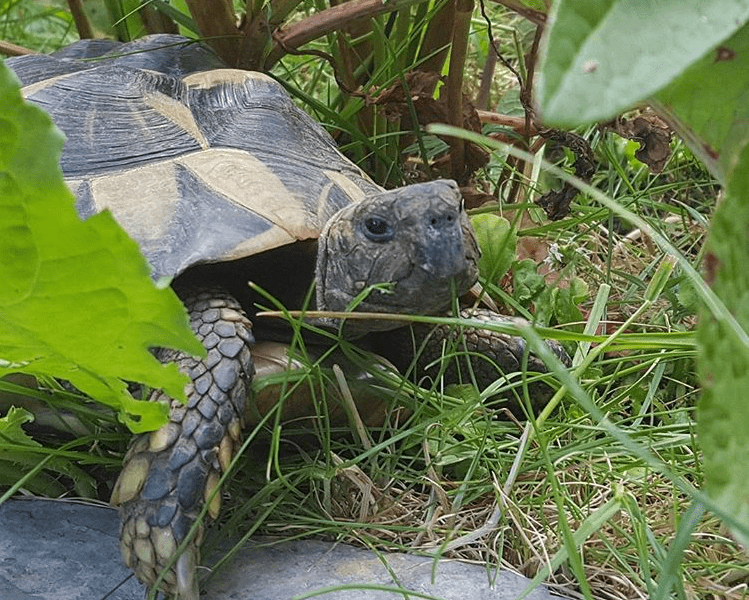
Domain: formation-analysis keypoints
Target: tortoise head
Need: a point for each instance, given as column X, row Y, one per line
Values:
column 416, row 238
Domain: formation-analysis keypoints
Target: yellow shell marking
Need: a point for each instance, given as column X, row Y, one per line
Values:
column 121, row 192
column 177, row 113
column 215, row 77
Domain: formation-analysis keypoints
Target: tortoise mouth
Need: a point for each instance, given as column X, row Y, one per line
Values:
column 419, row 294
column 416, row 295
column 425, row 290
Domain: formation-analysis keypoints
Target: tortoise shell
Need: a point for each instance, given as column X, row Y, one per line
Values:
column 198, row 163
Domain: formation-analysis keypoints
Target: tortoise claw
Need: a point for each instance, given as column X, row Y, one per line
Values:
column 187, row 581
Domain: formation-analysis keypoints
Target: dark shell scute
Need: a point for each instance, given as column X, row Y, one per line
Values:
column 206, row 224
column 97, row 145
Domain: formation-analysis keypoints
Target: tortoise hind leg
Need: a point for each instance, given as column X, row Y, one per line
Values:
column 169, row 474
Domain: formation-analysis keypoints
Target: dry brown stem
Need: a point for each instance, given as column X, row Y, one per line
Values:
column 82, row 23
column 518, row 124
column 461, row 29
column 487, row 76
column 156, row 21
column 14, row 49
column 217, row 22
column 327, row 21
column 534, row 16
column 436, row 44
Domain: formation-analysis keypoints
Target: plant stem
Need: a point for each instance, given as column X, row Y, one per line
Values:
column 327, row 21
column 459, row 49
column 82, row 23
column 217, row 22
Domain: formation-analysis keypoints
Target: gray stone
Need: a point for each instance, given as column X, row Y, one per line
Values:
column 54, row 550
column 284, row 570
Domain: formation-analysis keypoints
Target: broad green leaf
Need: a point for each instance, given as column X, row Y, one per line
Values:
column 603, row 56
column 498, row 241
column 77, row 301
column 723, row 416
column 709, row 104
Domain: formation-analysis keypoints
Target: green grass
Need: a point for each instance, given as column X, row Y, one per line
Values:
column 41, row 26
column 596, row 507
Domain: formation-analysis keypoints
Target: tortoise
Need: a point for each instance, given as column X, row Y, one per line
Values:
column 222, row 180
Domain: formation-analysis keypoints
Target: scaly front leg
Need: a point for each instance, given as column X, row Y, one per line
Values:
column 169, row 474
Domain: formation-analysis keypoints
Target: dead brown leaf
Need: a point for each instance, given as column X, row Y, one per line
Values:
column 556, row 203
column 654, row 136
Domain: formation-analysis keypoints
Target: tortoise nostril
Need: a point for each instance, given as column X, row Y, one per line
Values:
column 439, row 221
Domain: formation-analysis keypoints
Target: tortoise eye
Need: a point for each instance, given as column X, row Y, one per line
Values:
column 378, row 229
